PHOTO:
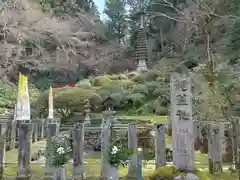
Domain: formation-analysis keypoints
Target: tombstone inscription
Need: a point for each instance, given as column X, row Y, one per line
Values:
column 181, row 109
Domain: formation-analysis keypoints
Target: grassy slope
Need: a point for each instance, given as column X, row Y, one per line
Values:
column 92, row 160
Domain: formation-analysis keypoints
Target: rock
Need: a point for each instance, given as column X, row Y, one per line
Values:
column 178, row 178
column 191, row 176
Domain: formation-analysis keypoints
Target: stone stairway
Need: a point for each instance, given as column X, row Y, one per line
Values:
column 141, row 52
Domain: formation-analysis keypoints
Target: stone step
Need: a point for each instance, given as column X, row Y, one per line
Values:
column 139, row 54
column 142, row 45
column 142, row 48
column 141, row 58
column 139, row 51
column 141, row 39
column 139, row 36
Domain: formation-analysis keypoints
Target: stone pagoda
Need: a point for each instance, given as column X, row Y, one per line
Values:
column 141, row 50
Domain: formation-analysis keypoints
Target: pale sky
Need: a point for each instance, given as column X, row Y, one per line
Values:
column 100, row 5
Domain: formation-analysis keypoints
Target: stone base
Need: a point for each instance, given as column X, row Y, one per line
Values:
column 23, row 178
column 141, row 68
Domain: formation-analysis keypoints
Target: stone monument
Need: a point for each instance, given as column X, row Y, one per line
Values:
column 182, row 122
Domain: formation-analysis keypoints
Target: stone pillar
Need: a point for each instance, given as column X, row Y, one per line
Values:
column 34, row 132
column 169, row 129
column 3, row 129
column 236, row 142
column 197, row 142
column 13, row 136
column 215, row 148
column 142, row 21
column 41, row 129
column 183, row 141
column 24, row 150
column 132, row 144
column 78, row 150
column 51, row 131
column 160, row 145
column 105, row 135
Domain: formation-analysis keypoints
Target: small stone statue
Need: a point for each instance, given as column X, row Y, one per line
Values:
column 87, row 110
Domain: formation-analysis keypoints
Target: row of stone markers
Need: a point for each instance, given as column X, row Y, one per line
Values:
column 26, row 131
column 24, row 150
column 12, row 129
column 108, row 126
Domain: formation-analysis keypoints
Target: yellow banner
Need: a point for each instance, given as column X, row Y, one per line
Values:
column 23, row 103
column 50, row 104
column 20, row 85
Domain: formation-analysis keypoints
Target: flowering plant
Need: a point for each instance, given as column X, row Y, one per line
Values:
column 61, row 151
column 118, row 155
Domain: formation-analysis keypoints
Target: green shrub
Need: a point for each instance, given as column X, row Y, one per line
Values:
column 157, row 92
column 136, row 100
column 151, row 75
column 125, row 84
column 138, row 79
column 112, row 88
column 152, row 86
column 146, row 109
column 118, row 77
column 161, row 101
column 84, row 83
column 140, row 88
column 132, row 74
column 69, row 100
column 101, row 81
column 162, row 111
column 118, row 98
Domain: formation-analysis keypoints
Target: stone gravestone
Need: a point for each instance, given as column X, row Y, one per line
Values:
column 132, row 144
column 182, row 122
column 105, row 136
column 24, row 149
column 3, row 128
column 51, row 131
column 78, row 149
column 160, row 145
column 215, row 148
column 236, row 142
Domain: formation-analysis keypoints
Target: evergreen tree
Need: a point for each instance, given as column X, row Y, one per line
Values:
column 116, row 13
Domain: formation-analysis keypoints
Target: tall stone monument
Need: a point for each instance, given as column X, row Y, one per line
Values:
column 182, row 122
column 141, row 52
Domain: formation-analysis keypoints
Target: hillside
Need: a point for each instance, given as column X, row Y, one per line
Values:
column 54, row 41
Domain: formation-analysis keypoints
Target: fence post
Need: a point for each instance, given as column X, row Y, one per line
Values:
column 105, row 135
column 34, row 132
column 52, row 130
column 215, row 149
column 41, row 127
column 132, row 144
column 160, row 145
column 139, row 164
column 78, row 149
column 24, row 150
column 3, row 128
column 13, row 134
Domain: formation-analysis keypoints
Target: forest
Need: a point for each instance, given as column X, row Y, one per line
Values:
column 67, row 42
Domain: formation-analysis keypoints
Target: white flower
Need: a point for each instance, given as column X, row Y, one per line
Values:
column 60, row 150
column 114, row 150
